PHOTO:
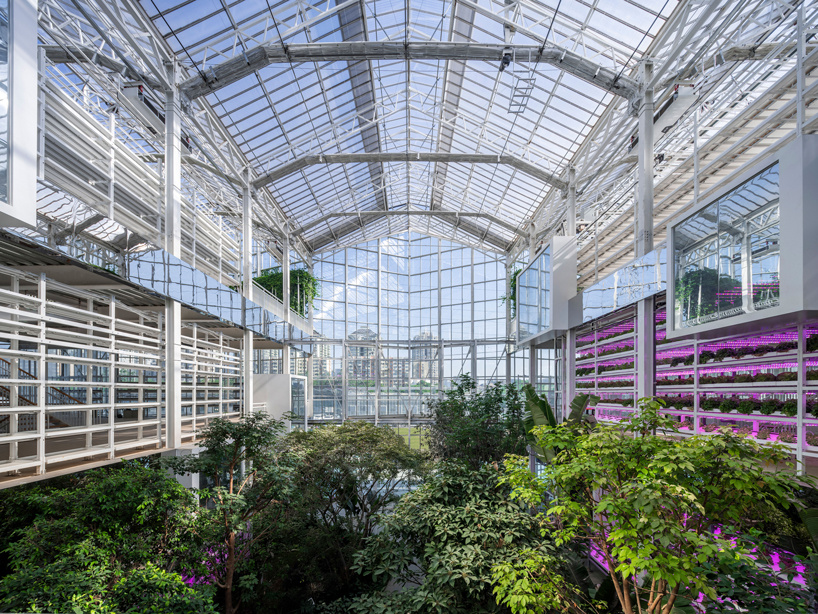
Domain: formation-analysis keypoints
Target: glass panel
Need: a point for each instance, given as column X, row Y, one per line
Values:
column 533, row 296
column 726, row 255
column 299, row 396
column 640, row 279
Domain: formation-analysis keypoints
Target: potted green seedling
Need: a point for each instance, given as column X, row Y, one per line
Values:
column 746, row 406
column 790, row 408
column 769, row 407
column 727, row 405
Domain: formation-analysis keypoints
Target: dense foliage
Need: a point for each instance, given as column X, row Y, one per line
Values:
column 304, row 287
column 348, row 520
column 110, row 540
column 477, row 426
column 441, row 542
column 347, row 475
column 651, row 505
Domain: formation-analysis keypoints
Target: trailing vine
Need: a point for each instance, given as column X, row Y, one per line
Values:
column 511, row 297
column 304, row 287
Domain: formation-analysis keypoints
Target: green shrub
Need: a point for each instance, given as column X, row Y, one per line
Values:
column 790, row 408
column 763, row 433
column 304, row 287
column 727, row 405
column 747, row 406
column 787, row 376
column 769, row 406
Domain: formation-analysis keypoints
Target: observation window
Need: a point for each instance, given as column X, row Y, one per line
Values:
column 534, row 293
column 726, row 256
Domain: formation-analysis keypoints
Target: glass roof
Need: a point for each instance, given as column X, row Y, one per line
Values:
column 285, row 111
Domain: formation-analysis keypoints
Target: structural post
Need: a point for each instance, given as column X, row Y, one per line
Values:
column 285, row 273
column 800, row 81
column 696, row 157
column 532, row 243
column 532, row 366
column 173, row 244
column 247, row 276
column 645, row 321
column 571, row 208
column 570, row 361
column 644, row 204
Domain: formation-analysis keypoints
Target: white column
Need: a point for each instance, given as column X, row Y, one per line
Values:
column 532, row 365
column 643, row 233
column 801, row 77
column 532, row 243
column 645, row 349
column 644, row 203
column 247, row 277
column 570, row 360
column 696, row 157
column 285, row 359
column 344, row 380
column 571, row 208
column 173, row 244
column 285, row 272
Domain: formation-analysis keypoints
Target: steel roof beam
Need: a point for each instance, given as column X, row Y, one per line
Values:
column 436, row 213
column 79, row 55
column 481, row 236
column 216, row 77
column 451, row 158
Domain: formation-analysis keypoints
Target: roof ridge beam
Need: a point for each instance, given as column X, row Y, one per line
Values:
column 218, row 76
column 364, row 158
column 411, row 212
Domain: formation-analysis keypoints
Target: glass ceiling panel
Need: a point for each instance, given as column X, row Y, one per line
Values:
column 283, row 112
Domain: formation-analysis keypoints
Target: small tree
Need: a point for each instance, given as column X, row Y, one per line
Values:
column 441, row 542
column 248, row 476
column 648, row 503
column 477, row 427
column 348, row 474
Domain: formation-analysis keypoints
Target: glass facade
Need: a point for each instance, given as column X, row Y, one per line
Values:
column 534, row 297
column 400, row 317
column 726, row 256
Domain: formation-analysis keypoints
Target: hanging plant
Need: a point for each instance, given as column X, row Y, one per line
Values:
column 304, row 287
column 511, row 297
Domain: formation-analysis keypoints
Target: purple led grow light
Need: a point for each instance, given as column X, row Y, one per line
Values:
column 752, row 368
column 674, row 353
column 628, row 344
column 669, row 374
column 773, row 339
column 615, row 362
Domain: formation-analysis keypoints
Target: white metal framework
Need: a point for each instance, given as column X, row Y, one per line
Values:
column 240, row 136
